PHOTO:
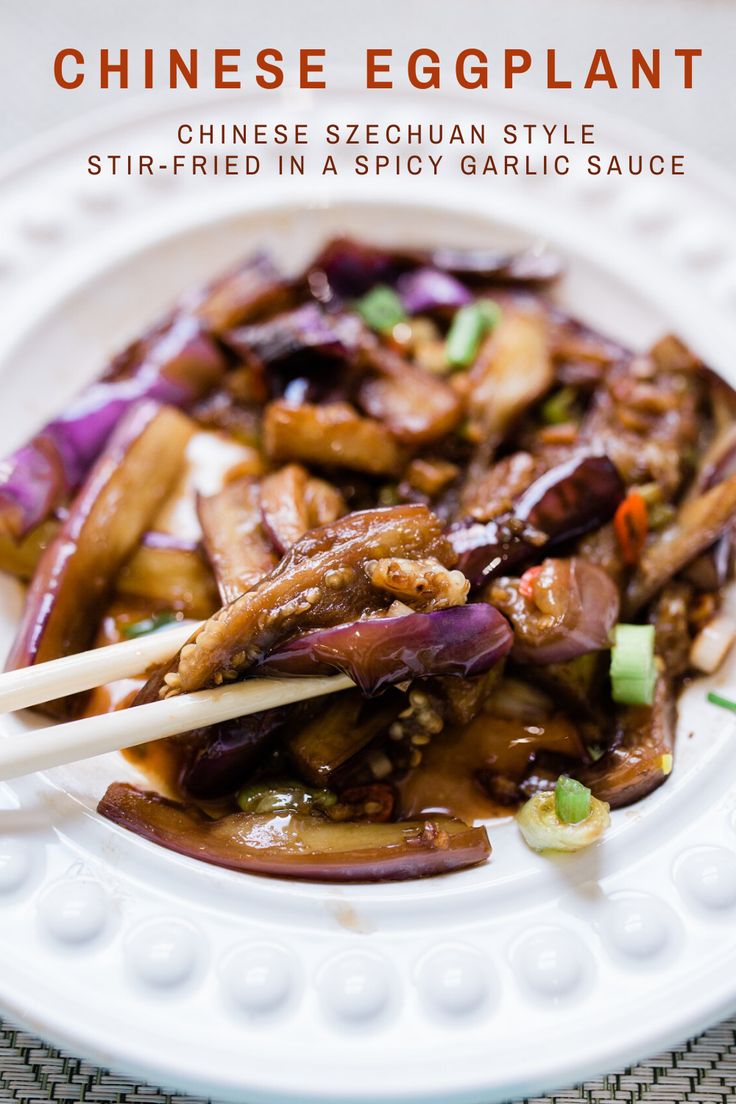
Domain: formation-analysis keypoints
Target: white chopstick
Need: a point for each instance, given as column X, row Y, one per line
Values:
column 71, row 674
column 24, row 752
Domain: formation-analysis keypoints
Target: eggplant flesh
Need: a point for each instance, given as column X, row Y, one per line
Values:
column 320, row 582
column 170, row 577
column 78, row 570
column 639, row 757
column 234, row 538
column 306, row 847
column 697, row 526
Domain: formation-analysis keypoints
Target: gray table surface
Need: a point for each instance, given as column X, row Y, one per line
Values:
column 702, row 1071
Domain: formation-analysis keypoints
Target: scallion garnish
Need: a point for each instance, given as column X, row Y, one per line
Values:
column 558, row 408
column 725, row 703
column 381, row 309
column 469, row 326
column 572, row 800
column 633, row 668
column 148, row 624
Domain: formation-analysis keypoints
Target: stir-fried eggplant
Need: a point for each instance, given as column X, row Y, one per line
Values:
column 321, row 581
column 112, row 511
column 568, row 500
column 512, row 532
column 234, row 537
column 639, row 757
column 334, row 435
column 566, row 609
column 300, row 847
column 171, row 574
column 696, row 527
column 175, row 365
column 375, row 652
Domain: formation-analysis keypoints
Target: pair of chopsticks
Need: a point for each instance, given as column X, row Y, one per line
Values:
column 24, row 752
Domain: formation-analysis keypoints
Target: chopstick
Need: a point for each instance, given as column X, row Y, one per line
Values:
column 71, row 674
column 24, row 752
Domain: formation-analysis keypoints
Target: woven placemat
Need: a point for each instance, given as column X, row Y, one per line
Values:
column 702, row 1071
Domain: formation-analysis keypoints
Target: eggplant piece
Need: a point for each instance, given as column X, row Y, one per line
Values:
column 343, row 728
column 78, row 570
column 513, row 370
column 223, row 755
column 304, row 330
column 528, row 266
column 671, row 617
column 376, row 652
column 171, row 574
column 307, row 847
column 639, row 758
column 698, row 524
column 417, row 407
column 581, row 354
column 176, row 365
column 320, row 582
column 568, row 500
column 430, row 289
column 333, row 435
column 579, row 685
column 248, row 292
column 571, row 609
column 304, row 355
column 645, row 417
column 20, row 557
column 292, row 503
column 488, row 494
column 347, row 268
column 234, row 538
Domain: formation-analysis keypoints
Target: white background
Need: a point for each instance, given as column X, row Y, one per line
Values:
column 32, row 31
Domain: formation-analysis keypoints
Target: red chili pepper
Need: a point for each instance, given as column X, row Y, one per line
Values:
column 631, row 524
column 527, row 580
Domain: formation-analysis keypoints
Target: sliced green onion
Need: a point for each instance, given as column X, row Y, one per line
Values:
column 725, row 703
column 543, row 830
column 660, row 514
column 469, row 326
column 148, row 624
column 633, row 668
column 284, row 797
column 388, row 495
column 381, row 309
column 572, row 800
column 558, row 408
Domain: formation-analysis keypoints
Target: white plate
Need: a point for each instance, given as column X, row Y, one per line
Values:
column 522, row 975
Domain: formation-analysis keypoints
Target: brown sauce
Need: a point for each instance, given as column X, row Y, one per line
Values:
column 447, row 779
column 159, row 760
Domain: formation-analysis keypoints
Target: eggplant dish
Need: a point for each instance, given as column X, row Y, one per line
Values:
column 414, row 467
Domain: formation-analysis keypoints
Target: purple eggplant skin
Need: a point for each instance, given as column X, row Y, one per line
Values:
column 346, row 268
column 77, row 571
column 581, row 607
column 308, row 354
column 307, row 328
column 429, row 289
column 253, row 289
column 639, row 757
column 225, row 753
column 462, row 640
column 174, row 366
column 569, row 500
column 291, row 846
